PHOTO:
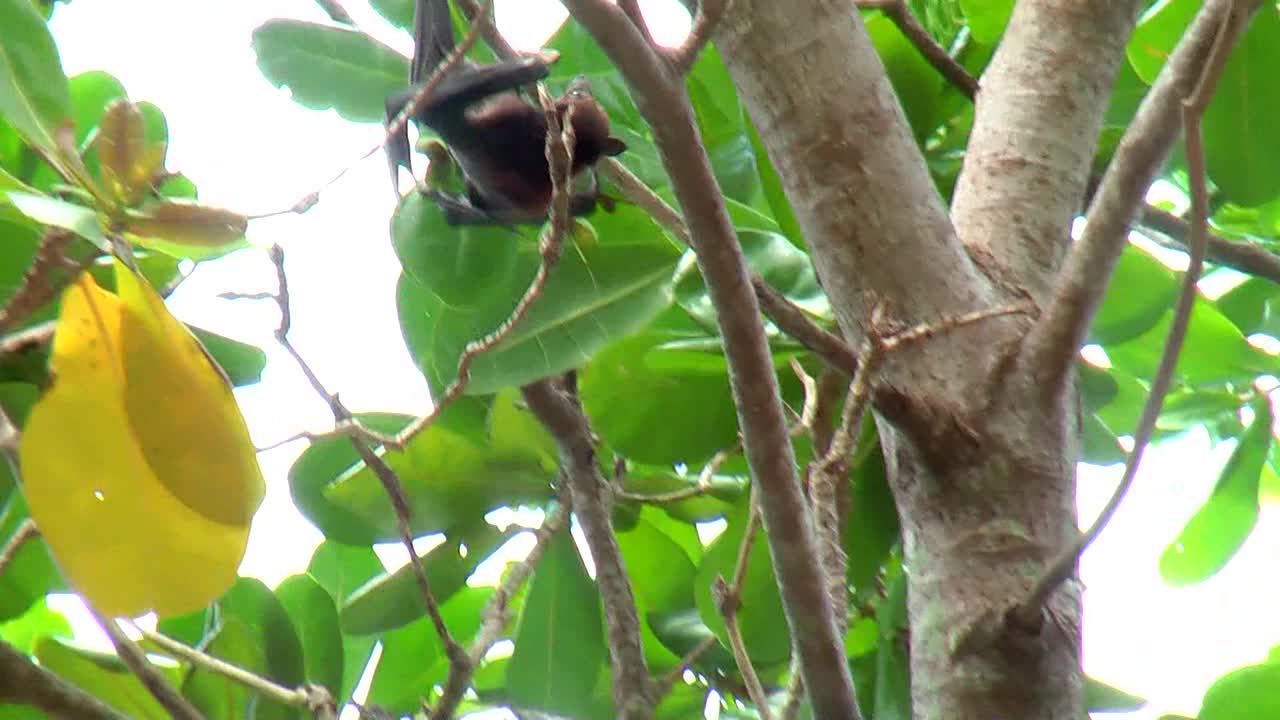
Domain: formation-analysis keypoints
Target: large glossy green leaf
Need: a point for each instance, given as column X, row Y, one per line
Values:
column 251, row 605
column 1141, row 291
column 330, row 67
column 662, row 578
column 33, row 89
column 696, row 417
column 1253, row 306
column 761, row 618
column 315, row 618
column 719, row 116
column 454, row 472
column 683, row 630
column 597, row 293
column 341, row 569
column 102, row 676
column 559, row 643
column 1157, row 33
column 1214, row 352
column 1241, row 153
column 391, row 600
column 413, row 661
column 1218, row 529
column 1245, row 694
column 78, row 219
column 987, row 18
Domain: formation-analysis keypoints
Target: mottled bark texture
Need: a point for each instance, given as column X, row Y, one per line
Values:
column 981, row 457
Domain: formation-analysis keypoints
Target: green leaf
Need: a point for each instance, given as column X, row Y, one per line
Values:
column 189, row 629
column 33, row 89
column 872, row 529
column 78, row 219
column 596, row 293
column 91, row 93
column 1186, row 409
column 1245, row 694
column 919, row 87
column 330, row 67
column 720, row 122
column 696, row 418
column 1214, row 351
column 683, row 630
column 260, row 638
column 341, row 569
column 774, row 194
column 1218, row 529
column 396, row 12
column 1100, row 697
column 1241, row 154
column 1158, row 32
column 1253, row 306
column 31, row 574
column 242, row 362
column 893, row 671
column 315, row 618
column 764, row 626
column 1141, row 291
column 559, row 644
column 412, row 660
column 662, row 578
column 987, row 18
column 102, row 676
column 392, row 600
column 38, row 621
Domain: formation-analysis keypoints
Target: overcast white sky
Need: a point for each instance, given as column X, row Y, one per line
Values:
column 250, row 148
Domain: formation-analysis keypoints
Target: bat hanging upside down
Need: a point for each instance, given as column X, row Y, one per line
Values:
column 497, row 137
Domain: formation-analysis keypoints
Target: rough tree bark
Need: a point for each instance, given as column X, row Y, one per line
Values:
column 981, row 453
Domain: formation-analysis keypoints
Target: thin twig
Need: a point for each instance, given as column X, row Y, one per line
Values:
column 26, row 531
column 136, row 660
column 1173, row 231
column 1064, row 565
column 495, row 616
column 314, row 698
column 728, row 597
column 390, row 481
column 704, row 21
column 938, row 57
column 24, row 682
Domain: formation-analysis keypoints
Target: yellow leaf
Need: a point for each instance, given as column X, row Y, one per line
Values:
column 118, row 518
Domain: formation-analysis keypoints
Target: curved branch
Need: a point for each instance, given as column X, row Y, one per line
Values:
column 662, row 101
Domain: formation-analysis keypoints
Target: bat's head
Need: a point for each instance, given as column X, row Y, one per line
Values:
column 590, row 124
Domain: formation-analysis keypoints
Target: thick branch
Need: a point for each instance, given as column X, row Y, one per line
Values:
column 564, row 418
column 662, row 101
column 22, row 681
column 1035, row 132
column 1054, row 340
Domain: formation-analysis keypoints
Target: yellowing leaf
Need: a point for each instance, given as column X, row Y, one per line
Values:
column 128, row 161
column 137, row 465
column 188, row 229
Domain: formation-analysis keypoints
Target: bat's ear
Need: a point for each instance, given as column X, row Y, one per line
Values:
column 614, row 147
